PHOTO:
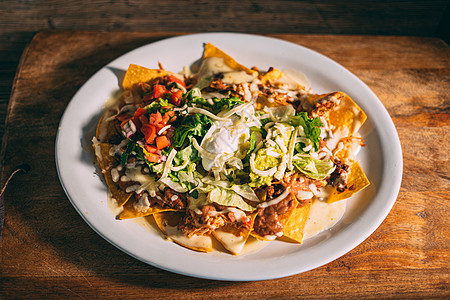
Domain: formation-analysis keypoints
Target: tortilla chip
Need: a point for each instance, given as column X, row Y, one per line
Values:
column 271, row 76
column 346, row 151
column 348, row 115
column 168, row 222
column 130, row 211
column 231, row 238
column 293, row 226
column 136, row 74
column 213, row 51
column 357, row 181
column 106, row 163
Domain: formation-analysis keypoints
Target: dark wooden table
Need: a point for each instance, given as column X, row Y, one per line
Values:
column 48, row 251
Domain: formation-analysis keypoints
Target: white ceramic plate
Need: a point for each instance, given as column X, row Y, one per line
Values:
column 381, row 161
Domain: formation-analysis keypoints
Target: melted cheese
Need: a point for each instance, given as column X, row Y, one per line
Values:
column 323, row 216
column 231, row 242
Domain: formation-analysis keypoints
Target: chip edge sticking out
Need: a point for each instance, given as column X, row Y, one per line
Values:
column 212, row 51
column 356, row 178
column 138, row 74
column 170, row 217
column 293, row 227
column 106, row 162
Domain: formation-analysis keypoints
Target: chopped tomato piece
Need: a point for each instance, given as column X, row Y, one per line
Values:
column 151, row 149
column 143, row 119
column 153, row 157
column 159, row 126
column 173, row 78
column 149, row 132
column 162, row 142
column 140, row 111
column 176, row 97
column 159, row 91
column 155, row 118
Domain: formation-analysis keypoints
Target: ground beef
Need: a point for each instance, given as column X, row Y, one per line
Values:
column 267, row 221
column 217, row 85
column 169, row 199
column 203, row 222
column 114, row 132
column 339, row 176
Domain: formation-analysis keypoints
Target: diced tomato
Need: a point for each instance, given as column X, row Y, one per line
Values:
column 159, row 91
column 153, row 157
column 162, row 142
column 143, row 119
column 149, row 132
column 168, row 114
column 173, row 78
column 151, row 149
column 140, row 111
column 166, row 118
column 159, row 126
column 176, row 97
column 155, row 118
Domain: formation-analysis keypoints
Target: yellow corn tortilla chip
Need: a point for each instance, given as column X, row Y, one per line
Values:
column 106, row 163
column 348, row 115
column 272, row 76
column 231, row 238
column 130, row 211
column 212, row 51
column 294, row 225
column 136, row 74
column 357, row 181
column 168, row 222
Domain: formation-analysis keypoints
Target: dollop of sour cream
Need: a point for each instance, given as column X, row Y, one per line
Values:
column 224, row 138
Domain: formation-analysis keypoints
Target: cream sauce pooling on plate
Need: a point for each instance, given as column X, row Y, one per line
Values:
column 323, row 216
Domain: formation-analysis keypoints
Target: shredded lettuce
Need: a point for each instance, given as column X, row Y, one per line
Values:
column 137, row 150
column 214, row 105
column 313, row 168
column 228, row 198
column 310, row 127
column 156, row 105
column 191, row 126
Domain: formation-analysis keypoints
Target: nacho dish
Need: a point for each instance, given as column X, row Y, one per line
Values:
column 221, row 152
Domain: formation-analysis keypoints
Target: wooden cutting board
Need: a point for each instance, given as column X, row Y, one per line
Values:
column 47, row 249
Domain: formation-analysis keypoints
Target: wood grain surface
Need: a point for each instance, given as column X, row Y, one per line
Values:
column 20, row 20
column 48, row 251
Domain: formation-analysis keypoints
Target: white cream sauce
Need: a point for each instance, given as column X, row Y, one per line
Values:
column 97, row 148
